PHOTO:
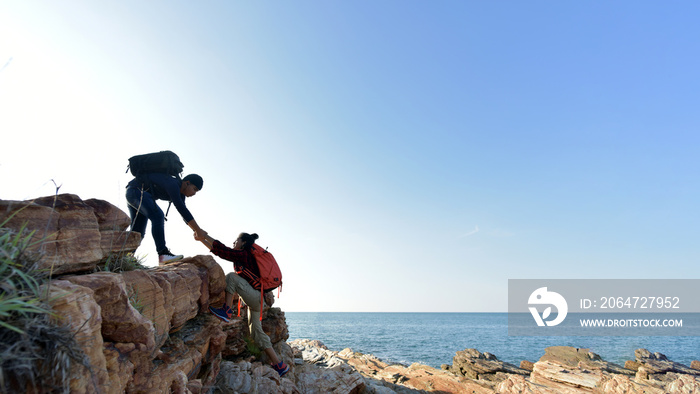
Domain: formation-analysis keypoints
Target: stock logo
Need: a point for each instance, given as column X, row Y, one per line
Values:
column 543, row 297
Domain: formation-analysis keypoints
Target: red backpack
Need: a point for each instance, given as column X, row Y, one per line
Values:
column 270, row 275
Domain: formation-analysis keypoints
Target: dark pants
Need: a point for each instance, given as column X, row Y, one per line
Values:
column 142, row 208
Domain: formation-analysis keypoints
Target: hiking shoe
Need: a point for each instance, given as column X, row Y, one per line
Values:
column 281, row 368
column 224, row 313
column 168, row 257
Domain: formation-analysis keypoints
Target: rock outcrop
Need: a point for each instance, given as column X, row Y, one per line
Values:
column 481, row 366
column 146, row 330
column 71, row 235
column 149, row 330
column 561, row 370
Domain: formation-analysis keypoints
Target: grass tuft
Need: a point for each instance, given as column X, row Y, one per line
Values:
column 36, row 354
column 119, row 262
column 252, row 348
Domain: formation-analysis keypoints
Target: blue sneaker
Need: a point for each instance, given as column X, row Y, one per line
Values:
column 224, row 313
column 281, row 368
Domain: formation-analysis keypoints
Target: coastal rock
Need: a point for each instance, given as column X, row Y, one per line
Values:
column 684, row 384
column 657, row 363
column 182, row 288
column 43, row 221
column 366, row 364
column 695, row 364
column 149, row 298
column 322, row 371
column 112, row 223
column 311, row 353
column 520, row 384
column 78, row 240
column 379, row 377
column 622, row 384
column 236, row 330
column 108, row 216
column 527, row 365
column 425, row 378
column 286, row 354
column 568, row 369
column 565, row 379
column 125, row 320
column 193, row 352
column 556, row 376
column 116, row 243
column 247, row 377
column 204, row 334
column 121, row 322
column 212, row 291
column 319, row 381
column 482, row 366
column 581, row 358
column 75, row 307
column 275, row 325
column 166, row 377
column 119, row 368
column 124, row 329
column 71, row 235
column 269, row 298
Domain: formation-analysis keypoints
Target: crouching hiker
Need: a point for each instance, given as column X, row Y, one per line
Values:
column 244, row 283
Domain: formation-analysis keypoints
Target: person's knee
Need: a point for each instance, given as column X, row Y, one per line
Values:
column 231, row 283
column 231, row 279
column 262, row 340
column 156, row 214
column 139, row 226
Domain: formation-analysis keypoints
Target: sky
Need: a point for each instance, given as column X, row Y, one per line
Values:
column 394, row 156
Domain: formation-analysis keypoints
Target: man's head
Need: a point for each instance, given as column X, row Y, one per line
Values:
column 191, row 184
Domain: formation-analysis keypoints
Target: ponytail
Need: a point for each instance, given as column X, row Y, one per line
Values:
column 249, row 240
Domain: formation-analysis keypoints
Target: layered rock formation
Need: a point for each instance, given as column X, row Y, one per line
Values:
column 143, row 331
column 149, row 331
column 561, row 370
column 72, row 235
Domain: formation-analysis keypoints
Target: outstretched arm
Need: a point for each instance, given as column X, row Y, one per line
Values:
column 199, row 234
column 206, row 239
column 220, row 249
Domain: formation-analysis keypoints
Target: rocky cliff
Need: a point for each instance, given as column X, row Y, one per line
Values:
column 149, row 330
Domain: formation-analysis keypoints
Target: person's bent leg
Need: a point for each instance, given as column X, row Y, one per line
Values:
column 144, row 205
column 272, row 355
column 157, row 218
column 138, row 219
column 251, row 297
column 255, row 327
column 263, row 340
column 225, row 313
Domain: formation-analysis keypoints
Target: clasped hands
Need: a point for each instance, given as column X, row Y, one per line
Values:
column 200, row 235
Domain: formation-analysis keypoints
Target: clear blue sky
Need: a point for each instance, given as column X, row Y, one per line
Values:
column 394, row 155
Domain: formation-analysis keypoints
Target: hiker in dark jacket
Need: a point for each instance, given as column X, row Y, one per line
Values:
column 141, row 195
column 243, row 260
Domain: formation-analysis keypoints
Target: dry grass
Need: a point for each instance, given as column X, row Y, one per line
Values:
column 121, row 263
column 36, row 354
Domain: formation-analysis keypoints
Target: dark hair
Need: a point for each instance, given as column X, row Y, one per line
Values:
column 249, row 240
column 195, row 180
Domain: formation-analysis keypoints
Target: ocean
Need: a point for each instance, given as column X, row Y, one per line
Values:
column 434, row 338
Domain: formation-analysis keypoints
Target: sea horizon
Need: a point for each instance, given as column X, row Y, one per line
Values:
column 433, row 338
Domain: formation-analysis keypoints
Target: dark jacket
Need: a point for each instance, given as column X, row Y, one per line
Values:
column 163, row 187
